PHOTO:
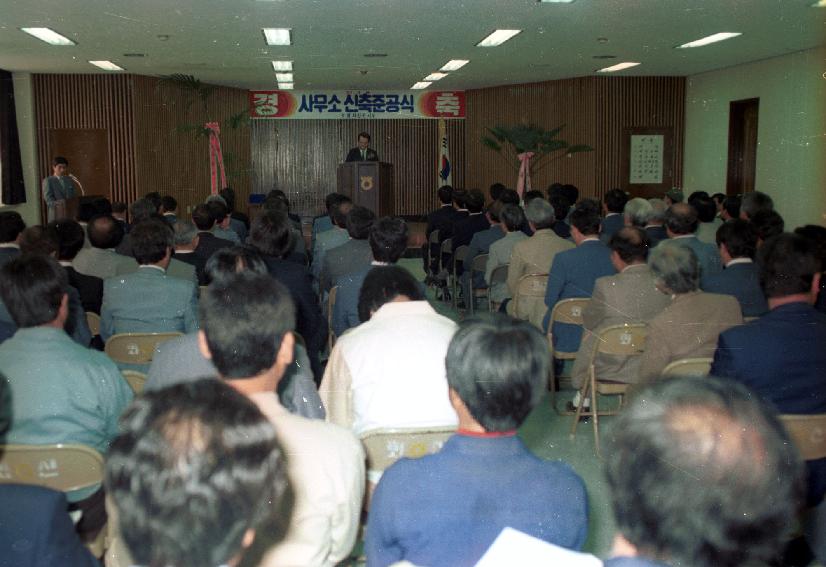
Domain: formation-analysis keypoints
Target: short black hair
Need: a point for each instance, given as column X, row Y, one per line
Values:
column 104, row 232
column 330, row 200
column 787, row 264
column 740, row 238
column 102, row 206
column 533, row 194
column 364, row 135
column 195, row 467
column 60, row 160
column 70, row 238
column 85, row 210
column 475, row 201
column 681, row 218
column 228, row 194
column 169, row 203
column 382, row 285
column 495, row 190
column 754, row 202
column 767, row 224
column 732, row 206
column 445, row 194
column 816, row 235
column 459, row 196
column 39, row 239
column 154, row 197
column 631, row 243
column 202, row 217
column 718, row 198
column 705, row 450
column 150, row 239
column 571, row 192
column 586, row 218
column 705, row 207
column 510, row 197
column 359, row 221
column 561, row 205
column 142, row 209
column 513, row 217
column 388, row 239
column 232, row 260
column 498, row 367
column 554, row 189
column 245, row 317
column 11, row 225
column 339, row 210
column 272, row 235
column 218, row 210
column 32, row 287
column 119, row 207
column 615, row 200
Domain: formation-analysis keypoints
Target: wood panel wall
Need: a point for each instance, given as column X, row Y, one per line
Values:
column 595, row 110
column 89, row 101
column 169, row 155
column 300, row 158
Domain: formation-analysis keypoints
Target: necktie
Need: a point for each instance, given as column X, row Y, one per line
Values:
column 363, row 154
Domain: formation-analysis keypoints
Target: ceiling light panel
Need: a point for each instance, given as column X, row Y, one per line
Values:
column 722, row 36
column 284, row 77
column 106, row 65
column 49, row 36
column 278, row 36
column 557, row 1
column 454, row 65
column 286, row 86
column 282, row 65
column 618, row 67
column 497, row 38
column 420, row 85
column 435, row 76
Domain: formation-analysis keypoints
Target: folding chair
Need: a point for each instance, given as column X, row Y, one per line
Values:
column 498, row 276
column 93, row 320
column 479, row 264
column 443, row 275
column 331, row 304
column 135, row 379
column 566, row 311
column 622, row 340
column 458, row 258
column 432, row 241
column 688, row 367
column 529, row 286
column 135, row 348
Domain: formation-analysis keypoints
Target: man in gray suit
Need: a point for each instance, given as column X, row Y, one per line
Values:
column 351, row 256
column 681, row 224
column 148, row 300
column 58, row 188
column 101, row 260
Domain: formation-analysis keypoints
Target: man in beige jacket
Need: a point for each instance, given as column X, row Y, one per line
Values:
column 534, row 256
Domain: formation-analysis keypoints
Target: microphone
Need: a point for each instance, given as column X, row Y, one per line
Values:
column 79, row 184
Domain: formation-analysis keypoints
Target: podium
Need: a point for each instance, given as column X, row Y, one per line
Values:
column 369, row 184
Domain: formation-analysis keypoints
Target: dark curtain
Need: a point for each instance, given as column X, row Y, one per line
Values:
column 11, row 167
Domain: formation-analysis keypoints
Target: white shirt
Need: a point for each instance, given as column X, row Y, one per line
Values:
column 739, row 261
column 390, row 371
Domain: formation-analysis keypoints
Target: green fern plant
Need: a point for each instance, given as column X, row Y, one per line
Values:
column 510, row 141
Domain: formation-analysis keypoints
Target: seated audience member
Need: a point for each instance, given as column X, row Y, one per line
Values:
column 186, row 241
column 61, row 392
column 169, row 205
column 239, row 222
column 218, row 210
column 636, row 213
column 208, row 243
column 781, row 355
column 495, row 191
column 737, row 240
column 276, row 202
column 149, row 301
column 654, row 227
column 70, row 238
column 731, row 208
column 334, row 237
column 754, row 202
column 389, row 371
column 534, row 256
column 631, row 296
column 388, row 241
column 351, row 256
column 689, row 327
column 816, row 235
column 681, row 225
column 11, row 225
column 101, row 260
column 278, row 194
column 613, row 206
column 324, row 222
column 139, row 211
column 119, row 211
column 562, row 206
column 195, row 476
column 767, row 224
column 476, row 221
column 673, row 196
column 441, row 219
column 272, row 236
column 719, row 199
column 707, row 217
column 702, row 474
column 248, row 321
column 531, row 195
column 480, row 244
column 180, row 360
column 573, row 273
column 512, row 219
column 449, row 507
column 155, row 198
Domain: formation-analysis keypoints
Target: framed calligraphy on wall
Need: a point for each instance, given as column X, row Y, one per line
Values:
column 648, row 157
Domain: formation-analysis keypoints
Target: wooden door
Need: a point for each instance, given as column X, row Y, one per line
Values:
column 742, row 146
column 88, row 153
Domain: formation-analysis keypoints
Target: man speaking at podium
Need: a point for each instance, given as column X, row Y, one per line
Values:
column 362, row 152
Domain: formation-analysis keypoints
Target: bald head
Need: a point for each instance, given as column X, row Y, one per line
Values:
column 681, row 219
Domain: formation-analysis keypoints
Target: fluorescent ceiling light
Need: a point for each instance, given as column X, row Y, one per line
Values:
column 435, row 76
column 557, row 1
column 497, row 38
column 285, row 86
column 819, row 4
column 284, row 77
column 49, row 36
column 454, row 65
column 420, row 85
column 106, row 65
column 618, row 67
column 282, row 65
column 710, row 39
column 277, row 36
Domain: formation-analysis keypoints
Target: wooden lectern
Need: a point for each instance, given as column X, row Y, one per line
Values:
column 369, row 184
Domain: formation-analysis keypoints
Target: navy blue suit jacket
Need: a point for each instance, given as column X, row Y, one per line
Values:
column 610, row 225
column 656, row 234
column 743, row 282
column 465, row 228
column 36, row 530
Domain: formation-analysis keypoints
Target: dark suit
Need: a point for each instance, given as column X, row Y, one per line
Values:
column 464, row 230
column 351, row 256
column 8, row 254
column 36, row 530
column 781, row 356
column 208, row 244
column 743, row 282
column 90, row 289
column 707, row 254
column 610, row 225
column 194, row 259
column 442, row 219
column 562, row 229
column 479, row 244
column 573, row 274
column 355, row 155
column 656, row 234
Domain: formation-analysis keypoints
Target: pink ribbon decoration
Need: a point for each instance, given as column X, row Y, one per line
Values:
column 216, row 157
column 524, row 181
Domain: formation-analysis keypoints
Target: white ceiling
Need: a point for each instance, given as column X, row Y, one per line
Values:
column 220, row 41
